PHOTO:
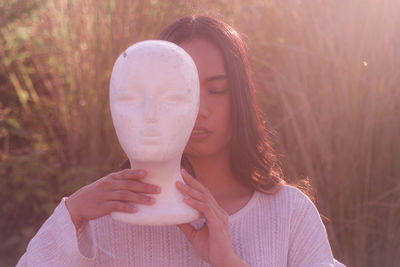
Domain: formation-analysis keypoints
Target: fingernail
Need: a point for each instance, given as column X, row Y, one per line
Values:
column 133, row 209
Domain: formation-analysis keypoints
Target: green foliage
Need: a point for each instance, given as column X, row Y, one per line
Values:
column 327, row 75
column 32, row 185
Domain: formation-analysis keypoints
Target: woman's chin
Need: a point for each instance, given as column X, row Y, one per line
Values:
column 197, row 151
column 155, row 155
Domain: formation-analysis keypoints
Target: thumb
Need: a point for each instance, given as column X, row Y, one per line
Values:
column 188, row 230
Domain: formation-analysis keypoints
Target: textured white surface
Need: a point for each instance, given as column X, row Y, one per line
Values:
column 154, row 100
column 281, row 230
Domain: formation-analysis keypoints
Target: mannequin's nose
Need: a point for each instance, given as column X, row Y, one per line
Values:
column 151, row 113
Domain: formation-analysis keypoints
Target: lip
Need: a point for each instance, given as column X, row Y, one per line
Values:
column 200, row 133
column 149, row 133
column 150, row 139
column 199, row 128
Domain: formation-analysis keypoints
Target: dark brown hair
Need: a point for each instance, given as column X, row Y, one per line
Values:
column 252, row 158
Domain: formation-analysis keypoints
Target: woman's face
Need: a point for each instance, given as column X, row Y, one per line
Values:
column 212, row 132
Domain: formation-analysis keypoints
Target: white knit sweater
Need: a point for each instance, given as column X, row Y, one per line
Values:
column 284, row 229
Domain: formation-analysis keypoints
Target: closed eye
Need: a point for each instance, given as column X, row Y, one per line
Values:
column 218, row 92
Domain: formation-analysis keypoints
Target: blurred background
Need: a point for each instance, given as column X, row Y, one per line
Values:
column 327, row 74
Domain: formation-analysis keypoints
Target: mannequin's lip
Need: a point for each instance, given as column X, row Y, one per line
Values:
column 150, row 133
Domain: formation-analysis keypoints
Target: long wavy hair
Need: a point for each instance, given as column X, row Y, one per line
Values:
column 253, row 160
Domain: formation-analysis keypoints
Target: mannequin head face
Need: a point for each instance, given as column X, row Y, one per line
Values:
column 154, row 100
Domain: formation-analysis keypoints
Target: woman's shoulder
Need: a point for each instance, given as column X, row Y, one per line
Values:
column 287, row 192
column 289, row 198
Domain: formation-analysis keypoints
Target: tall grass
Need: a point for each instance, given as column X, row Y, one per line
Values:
column 332, row 93
column 328, row 79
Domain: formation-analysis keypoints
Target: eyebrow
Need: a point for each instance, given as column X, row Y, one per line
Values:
column 216, row 77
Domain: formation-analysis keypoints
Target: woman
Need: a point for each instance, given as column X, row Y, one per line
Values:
column 251, row 218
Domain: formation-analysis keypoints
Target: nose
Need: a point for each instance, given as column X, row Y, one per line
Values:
column 203, row 107
column 150, row 112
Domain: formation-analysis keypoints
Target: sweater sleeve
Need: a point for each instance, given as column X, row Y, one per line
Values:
column 57, row 243
column 308, row 242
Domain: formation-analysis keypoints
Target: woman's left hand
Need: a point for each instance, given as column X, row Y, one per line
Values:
column 212, row 241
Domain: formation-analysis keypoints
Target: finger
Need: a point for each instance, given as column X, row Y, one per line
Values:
column 206, row 197
column 216, row 221
column 186, row 189
column 136, row 186
column 202, row 207
column 120, row 206
column 129, row 196
column 129, row 174
column 206, row 194
column 188, row 230
column 192, row 181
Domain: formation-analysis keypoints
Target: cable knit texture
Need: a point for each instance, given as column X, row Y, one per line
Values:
column 284, row 229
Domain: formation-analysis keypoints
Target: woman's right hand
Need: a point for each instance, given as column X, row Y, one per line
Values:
column 116, row 191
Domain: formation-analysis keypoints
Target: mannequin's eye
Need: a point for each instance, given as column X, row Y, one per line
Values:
column 128, row 98
column 175, row 98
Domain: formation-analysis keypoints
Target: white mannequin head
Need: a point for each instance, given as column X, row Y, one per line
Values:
column 154, row 100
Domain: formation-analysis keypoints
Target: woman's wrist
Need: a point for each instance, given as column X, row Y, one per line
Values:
column 76, row 220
